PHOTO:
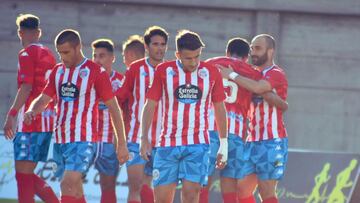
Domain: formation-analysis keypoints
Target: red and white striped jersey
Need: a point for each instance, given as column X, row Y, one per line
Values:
column 267, row 121
column 106, row 131
column 138, row 78
column 35, row 64
column 238, row 99
column 186, row 99
column 78, row 90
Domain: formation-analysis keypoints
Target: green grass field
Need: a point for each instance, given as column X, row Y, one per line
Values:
column 11, row 201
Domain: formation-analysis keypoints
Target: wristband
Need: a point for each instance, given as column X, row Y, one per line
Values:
column 233, row 75
column 12, row 112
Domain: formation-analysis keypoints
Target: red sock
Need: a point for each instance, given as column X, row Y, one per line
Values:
column 146, row 194
column 271, row 200
column 133, row 201
column 230, row 197
column 204, row 196
column 108, row 196
column 26, row 189
column 250, row 199
column 44, row 191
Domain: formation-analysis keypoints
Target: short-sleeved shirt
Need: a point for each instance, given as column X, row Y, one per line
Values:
column 238, row 99
column 35, row 64
column 186, row 98
column 78, row 90
column 267, row 121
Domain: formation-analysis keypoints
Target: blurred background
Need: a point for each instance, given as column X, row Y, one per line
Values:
column 318, row 45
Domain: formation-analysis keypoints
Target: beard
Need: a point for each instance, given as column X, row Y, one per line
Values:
column 259, row 60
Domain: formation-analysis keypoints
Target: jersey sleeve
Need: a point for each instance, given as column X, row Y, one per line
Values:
column 218, row 93
column 155, row 91
column 103, row 86
column 275, row 77
column 26, row 67
column 128, row 85
column 50, row 88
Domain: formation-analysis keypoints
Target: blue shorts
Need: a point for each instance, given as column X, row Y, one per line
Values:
column 134, row 155
column 214, row 148
column 268, row 158
column 172, row 164
column 106, row 161
column 149, row 165
column 32, row 146
column 237, row 158
column 75, row 156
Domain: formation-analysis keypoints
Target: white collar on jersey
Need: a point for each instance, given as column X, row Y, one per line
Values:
column 267, row 69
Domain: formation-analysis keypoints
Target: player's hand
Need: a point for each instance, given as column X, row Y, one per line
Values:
column 122, row 153
column 145, row 148
column 29, row 117
column 222, row 154
column 225, row 71
column 9, row 127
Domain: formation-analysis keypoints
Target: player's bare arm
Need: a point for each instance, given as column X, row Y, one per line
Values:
column 118, row 124
column 275, row 100
column 146, row 119
column 37, row 106
column 221, row 122
column 257, row 87
column 20, row 99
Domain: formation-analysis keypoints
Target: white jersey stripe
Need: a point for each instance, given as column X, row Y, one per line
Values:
column 64, row 80
column 170, row 92
column 180, row 116
column 89, row 114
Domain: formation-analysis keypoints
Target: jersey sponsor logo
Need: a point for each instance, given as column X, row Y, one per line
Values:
column 69, row 92
column 257, row 99
column 188, row 93
column 102, row 106
column 84, row 73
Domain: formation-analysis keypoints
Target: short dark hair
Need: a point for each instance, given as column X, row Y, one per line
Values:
column 189, row 40
column 68, row 35
column 153, row 31
column 134, row 43
column 27, row 21
column 238, row 47
column 270, row 41
column 107, row 44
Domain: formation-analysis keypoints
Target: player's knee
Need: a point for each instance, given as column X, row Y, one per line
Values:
column 135, row 183
column 190, row 193
column 70, row 186
column 266, row 190
column 108, row 185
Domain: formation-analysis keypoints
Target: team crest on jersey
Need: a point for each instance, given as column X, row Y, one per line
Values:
column 188, row 93
column 69, row 92
column 84, row 73
column 203, row 73
column 171, row 72
column 102, row 106
column 257, row 99
column 116, row 84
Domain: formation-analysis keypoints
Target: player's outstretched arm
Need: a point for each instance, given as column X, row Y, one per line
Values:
column 118, row 124
column 146, row 119
column 37, row 106
column 257, row 87
column 275, row 100
column 221, row 123
column 20, row 99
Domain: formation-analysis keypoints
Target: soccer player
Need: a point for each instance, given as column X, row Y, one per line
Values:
column 78, row 84
column 268, row 141
column 133, row 49
column 137, row 80
column 186, row 87
column 31, row 142
column 106, row 161
column 238, row 105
